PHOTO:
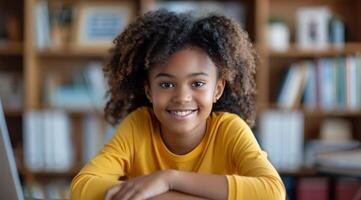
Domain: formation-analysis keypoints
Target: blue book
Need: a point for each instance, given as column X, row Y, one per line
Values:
column 310, row 95
column 326, row 85
column 290, row 185
column 341, row 84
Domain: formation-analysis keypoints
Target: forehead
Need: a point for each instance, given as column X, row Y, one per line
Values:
column 186, row 61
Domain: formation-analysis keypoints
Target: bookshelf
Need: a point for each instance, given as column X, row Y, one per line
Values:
column 62, row 61
column 271, row 75
column 13, row 48
column 33, row 65
column 294, row 52
column 11, row 67
column 71, row 53
column 280, row 61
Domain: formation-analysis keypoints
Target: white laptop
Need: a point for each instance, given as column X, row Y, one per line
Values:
column 10, row 187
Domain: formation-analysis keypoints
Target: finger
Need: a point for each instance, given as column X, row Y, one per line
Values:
column 124, row 192
column 112, row 191
column 137, row 195
column 127, row 195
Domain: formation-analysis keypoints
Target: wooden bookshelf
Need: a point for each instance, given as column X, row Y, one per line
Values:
column 77, row 111
column 333, row 113
column 303, row 172
column 11, row 61
column 11, row 48
column 274, row 66
column 271, row 67
column 337, row 172
column 341, row 112
column 73, row 53
column 13, row 112
column 295, row 52
column 277, row 63
column 46, row 175
column 37, row 62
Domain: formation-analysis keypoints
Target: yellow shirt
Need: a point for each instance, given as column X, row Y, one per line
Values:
column 228, row 148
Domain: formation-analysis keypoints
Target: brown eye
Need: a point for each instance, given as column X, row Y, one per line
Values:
column 198, row 84
column 166, row 85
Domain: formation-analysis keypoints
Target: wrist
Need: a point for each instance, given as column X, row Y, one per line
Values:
column 171, row 178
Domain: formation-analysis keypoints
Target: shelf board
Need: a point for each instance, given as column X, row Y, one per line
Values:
column 70, row 173
column 295, row 52
column 19, row 112
column 84, row 112
column 56, row 174
column 334, row 171
column 22, row 169
column 322, row 171
column 74, row 53
column 300, row 172
column 335, row 113
column 13, row 112
column 11, row 48
column 321, row 112
column 76, row 111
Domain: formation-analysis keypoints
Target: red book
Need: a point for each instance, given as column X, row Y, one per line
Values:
column 347, row 188
column 312, row 189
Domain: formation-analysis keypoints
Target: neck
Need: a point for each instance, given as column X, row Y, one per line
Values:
column 181, row 143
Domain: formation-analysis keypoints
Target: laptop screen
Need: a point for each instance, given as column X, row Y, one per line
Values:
column 10, row 187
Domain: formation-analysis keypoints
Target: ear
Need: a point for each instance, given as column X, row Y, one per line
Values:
column 148, row 92
column 221, row 83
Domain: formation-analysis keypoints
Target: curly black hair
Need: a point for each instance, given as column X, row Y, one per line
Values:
column 153, row 37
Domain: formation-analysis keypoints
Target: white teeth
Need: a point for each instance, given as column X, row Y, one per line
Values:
column 182, row 113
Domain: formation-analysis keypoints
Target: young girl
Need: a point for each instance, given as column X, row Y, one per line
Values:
column 188, row 88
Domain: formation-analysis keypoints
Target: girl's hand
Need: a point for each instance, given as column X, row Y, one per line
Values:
column 142, row 187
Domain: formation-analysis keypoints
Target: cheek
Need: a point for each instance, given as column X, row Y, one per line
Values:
column 160, row 97
column 206, row 96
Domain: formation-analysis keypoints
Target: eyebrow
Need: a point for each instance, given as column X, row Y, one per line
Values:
column 190, row 75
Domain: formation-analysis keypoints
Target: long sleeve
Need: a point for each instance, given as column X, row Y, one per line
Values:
column 104, row 170
column 255, row 176
column 250, row 174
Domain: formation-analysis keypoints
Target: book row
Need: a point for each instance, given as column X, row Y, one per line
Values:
column 325, row 83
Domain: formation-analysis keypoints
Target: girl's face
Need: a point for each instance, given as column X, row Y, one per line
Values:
column 183, row 91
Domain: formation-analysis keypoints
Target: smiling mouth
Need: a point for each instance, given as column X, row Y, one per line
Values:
column 182, row 113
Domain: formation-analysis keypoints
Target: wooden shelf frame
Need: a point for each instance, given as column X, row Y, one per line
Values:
column 295, row 52
column 11, row 48
column 74, row 53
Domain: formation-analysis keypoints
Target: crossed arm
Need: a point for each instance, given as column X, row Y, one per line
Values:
column 170, row 184
column 252, row 175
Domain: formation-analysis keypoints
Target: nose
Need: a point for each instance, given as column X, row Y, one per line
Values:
column 182, row 95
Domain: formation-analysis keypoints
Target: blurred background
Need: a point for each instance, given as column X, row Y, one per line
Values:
column 308, row 80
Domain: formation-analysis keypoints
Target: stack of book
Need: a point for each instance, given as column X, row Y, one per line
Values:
column 281, row 136
column 58, row 189
column 341, row 162
column 95, row 134
column 85, row 89
column 48, row 145
column 326, row 83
